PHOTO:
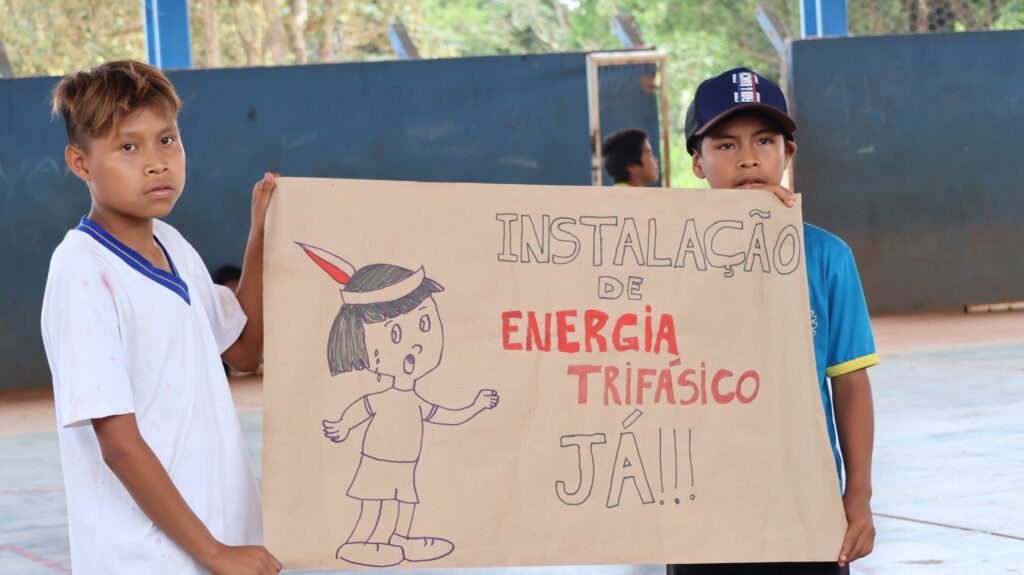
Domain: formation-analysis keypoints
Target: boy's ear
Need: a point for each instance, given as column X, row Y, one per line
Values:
column 698, row 170
column 790, row 150
column 75, row 158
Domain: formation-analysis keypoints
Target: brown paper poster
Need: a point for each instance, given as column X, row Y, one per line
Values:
column 483, row 375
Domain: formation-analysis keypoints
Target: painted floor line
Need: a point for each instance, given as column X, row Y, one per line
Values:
column 26, row 554
column 946, row 363
column 948, row 526
column 39, row 489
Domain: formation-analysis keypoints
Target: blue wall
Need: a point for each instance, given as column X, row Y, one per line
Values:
column 910, row 150
column 511, row 119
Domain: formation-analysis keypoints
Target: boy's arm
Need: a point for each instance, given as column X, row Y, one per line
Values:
column 485, row 399
column 855, row 423
column 247, row 351
column 137, row 467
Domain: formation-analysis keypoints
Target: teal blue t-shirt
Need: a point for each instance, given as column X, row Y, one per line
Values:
column 840, row 325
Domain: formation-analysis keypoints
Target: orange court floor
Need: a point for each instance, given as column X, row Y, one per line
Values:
column 948, row 463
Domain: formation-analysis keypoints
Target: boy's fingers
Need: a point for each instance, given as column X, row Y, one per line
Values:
column 854, row 547
column 267, row 184
column 864, row 543
column 270, row 561
column 847, row 547
column 785, row 195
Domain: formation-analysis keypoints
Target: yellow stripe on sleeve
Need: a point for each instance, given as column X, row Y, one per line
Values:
column 852, row 365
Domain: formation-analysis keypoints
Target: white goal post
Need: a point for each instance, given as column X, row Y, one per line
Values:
column 597, row 60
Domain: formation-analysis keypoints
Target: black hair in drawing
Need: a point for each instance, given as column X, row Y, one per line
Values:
column 346, row 346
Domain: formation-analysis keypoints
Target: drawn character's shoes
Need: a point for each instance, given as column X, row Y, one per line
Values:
column 423, row 548
column 370, row 554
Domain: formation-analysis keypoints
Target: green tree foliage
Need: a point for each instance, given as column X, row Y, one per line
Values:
column 53, row 38
column 702, row 37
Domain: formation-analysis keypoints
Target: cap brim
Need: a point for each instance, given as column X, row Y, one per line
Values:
column 784, row 121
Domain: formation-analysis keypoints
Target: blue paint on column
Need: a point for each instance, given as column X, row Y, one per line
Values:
column 168, row 35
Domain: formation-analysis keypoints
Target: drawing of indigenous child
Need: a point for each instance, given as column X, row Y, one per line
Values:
column 389, row 325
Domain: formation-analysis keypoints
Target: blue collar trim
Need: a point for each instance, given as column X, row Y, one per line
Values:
column 134, row 259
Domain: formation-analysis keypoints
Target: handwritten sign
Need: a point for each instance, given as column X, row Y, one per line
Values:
column 482, row 375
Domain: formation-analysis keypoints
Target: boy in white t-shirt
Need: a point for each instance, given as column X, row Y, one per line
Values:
column 155, row 467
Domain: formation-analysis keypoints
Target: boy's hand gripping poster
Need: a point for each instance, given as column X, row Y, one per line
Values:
column 479, row 375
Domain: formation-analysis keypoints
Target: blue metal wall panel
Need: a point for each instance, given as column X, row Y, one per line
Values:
column 515, row 119
column 909, row 149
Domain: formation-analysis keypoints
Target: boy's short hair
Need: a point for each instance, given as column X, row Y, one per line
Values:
column 93, row 101
column 731, row 92
column 227, row 273
column 621, row 150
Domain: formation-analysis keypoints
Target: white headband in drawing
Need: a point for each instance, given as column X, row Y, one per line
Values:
column 341, row 271
column 392, row 292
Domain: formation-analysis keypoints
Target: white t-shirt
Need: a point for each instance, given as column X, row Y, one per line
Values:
column 122, row 336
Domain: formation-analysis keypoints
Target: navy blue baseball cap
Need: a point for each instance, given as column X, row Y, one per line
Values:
column 737, row 89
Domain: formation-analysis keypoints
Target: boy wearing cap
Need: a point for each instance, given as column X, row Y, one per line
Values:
column 629, row 159
column 740, row 135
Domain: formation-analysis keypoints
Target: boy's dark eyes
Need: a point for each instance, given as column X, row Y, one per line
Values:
column 726, row 146
column 166, row 140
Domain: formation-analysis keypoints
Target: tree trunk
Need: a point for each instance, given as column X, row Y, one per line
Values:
column 275, row 38
column 297, row 27
column 247, row 40
column 328, row 43
column 6, row 70
column 211, row 54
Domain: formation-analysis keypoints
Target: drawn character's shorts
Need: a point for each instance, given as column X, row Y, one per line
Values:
column 384, row 480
